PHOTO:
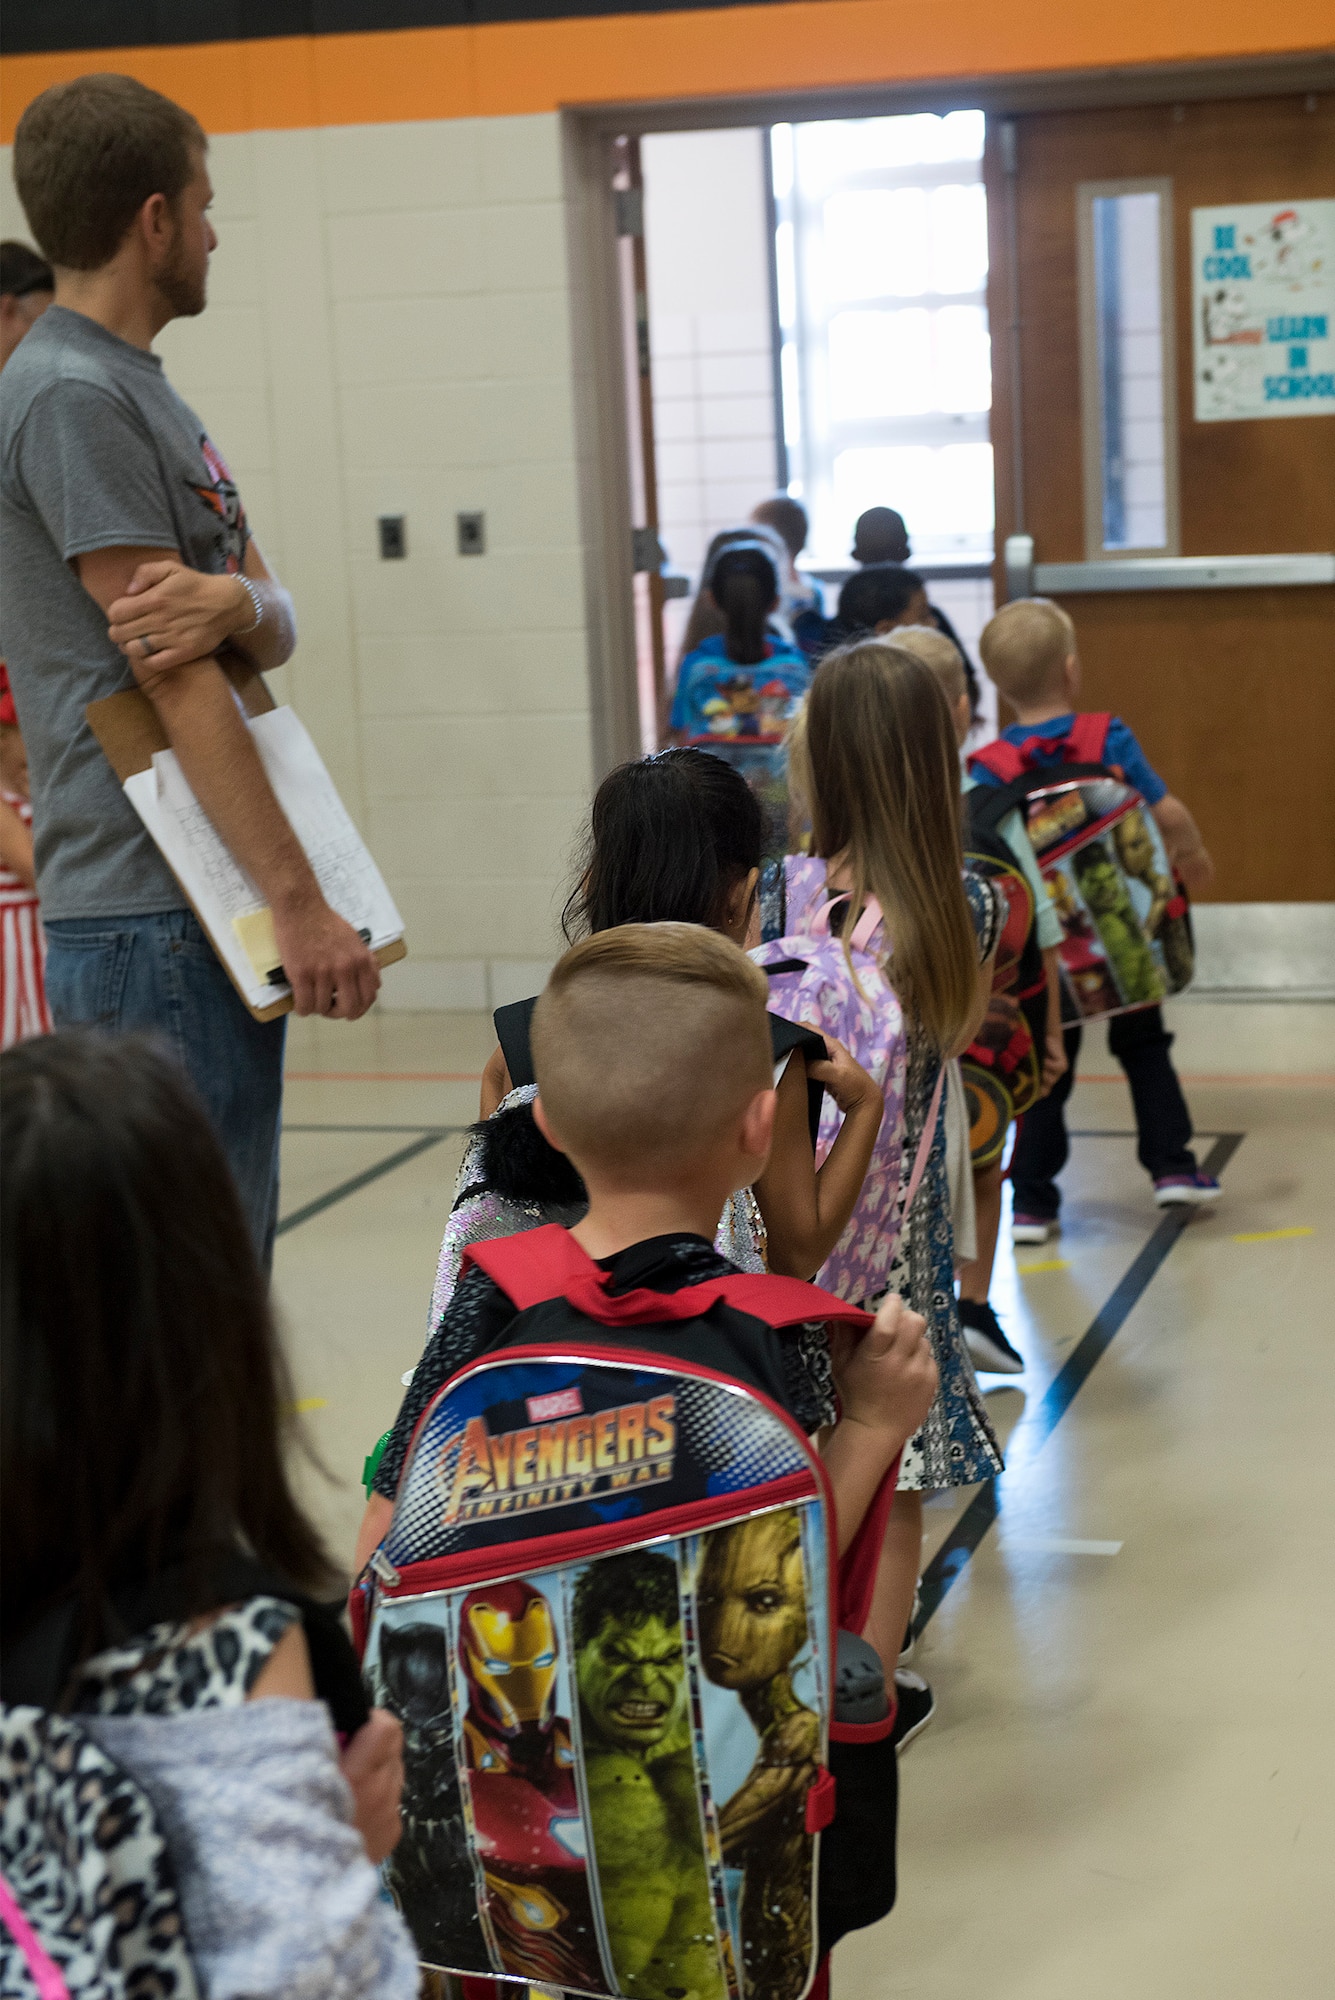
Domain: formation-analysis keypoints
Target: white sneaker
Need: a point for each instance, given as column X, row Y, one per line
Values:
column 1186, row 1190
column 1033, row 1228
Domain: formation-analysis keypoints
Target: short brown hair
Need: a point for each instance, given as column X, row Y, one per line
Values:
column 930, row 645
column 787, row 517
column 647, row 1042
column 1025, row 647
column 87, row 156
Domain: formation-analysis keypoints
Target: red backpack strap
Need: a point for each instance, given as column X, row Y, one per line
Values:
column 859, row 1561
column 537, row 1265
column 1087, row 739
column 547, row 1263
column 1002, row 759
column 780, row 1302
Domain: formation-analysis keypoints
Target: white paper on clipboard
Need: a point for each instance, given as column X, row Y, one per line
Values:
column 221, row 891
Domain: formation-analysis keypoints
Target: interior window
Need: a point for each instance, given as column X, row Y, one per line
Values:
column 1126, row 368
column 885, row 359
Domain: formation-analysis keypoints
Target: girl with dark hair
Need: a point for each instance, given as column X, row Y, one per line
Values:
column 156, row 1565
column 674, row 838
column 738, row 691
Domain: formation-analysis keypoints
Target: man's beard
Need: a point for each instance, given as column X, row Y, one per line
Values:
column 185, row 290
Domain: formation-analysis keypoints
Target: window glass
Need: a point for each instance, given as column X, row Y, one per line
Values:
column 1128, row 308
column 885, row 359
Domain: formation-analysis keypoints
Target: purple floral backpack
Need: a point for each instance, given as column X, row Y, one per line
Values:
column 810, row 983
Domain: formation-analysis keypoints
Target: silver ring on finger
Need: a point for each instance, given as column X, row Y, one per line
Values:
column 145, row 645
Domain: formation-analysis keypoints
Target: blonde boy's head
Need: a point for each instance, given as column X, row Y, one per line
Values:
column 1025, row 648
column 648, row 1044
column 930, row 645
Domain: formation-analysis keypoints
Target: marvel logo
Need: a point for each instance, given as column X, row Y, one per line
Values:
column 561, row 1403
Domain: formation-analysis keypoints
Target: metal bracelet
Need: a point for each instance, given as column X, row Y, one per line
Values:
column 252, row 591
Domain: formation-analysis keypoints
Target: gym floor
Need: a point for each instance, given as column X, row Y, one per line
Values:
column 1129, row 1785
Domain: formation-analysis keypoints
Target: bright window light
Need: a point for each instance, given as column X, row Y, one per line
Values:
column 880, row 364
column 785, row 274
column 959, row 238
column 792, row 398
column 885, row 364
column 877, row 244
column 951, row 488
column 962, row 359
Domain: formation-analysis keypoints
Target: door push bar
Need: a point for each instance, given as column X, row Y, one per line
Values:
column 1024, row 576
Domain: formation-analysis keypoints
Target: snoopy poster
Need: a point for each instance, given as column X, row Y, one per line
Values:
column 1263, row 297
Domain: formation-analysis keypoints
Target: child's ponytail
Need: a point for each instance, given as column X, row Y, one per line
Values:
column 745, row 587
column 876, row 763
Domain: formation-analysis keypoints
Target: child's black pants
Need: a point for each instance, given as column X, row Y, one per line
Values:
column 1141, row 1044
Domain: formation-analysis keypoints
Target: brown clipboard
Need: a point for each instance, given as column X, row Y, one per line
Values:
column 130, row 730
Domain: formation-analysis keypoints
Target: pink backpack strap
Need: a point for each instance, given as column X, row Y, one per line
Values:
column 45, row 1974
column 864, row 928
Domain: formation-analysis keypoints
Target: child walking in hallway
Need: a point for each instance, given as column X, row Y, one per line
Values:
column 1029, row 649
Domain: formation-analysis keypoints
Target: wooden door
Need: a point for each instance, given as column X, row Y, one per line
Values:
column 1231, row 691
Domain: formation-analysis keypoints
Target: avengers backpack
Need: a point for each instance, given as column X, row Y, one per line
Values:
column 606, row 1612
column 1002, row 1068
column 1127, row 939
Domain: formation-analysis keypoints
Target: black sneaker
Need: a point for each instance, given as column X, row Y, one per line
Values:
column 988, row 1346
column 917, row 1706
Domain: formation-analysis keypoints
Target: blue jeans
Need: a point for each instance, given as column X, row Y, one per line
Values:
column 160, row 975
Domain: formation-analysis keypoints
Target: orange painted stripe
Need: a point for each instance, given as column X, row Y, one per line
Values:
column 526, row 66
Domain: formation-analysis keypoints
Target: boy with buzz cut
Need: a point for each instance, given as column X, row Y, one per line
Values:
column 652, row 1055
column 1029, row 649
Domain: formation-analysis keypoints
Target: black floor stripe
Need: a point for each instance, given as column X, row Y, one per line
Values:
column 1120, row 1132
column 358, row 1182
column 440, row 1131
column 952, row 1558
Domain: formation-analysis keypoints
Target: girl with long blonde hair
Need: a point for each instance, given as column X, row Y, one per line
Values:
column 873, row 761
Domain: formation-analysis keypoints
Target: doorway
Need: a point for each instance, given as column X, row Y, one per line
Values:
column 1222, row 668
column 815, row 323
column 1163, row 287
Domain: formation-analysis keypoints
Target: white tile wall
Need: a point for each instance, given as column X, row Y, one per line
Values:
column 709, row 337
column 389, row 332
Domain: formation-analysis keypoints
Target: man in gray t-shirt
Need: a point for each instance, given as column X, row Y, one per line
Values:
column 127, row 559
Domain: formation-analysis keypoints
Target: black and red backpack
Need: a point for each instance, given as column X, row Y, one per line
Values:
column 1002, row 1068
column 1126, row 924
column 611, row 1614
